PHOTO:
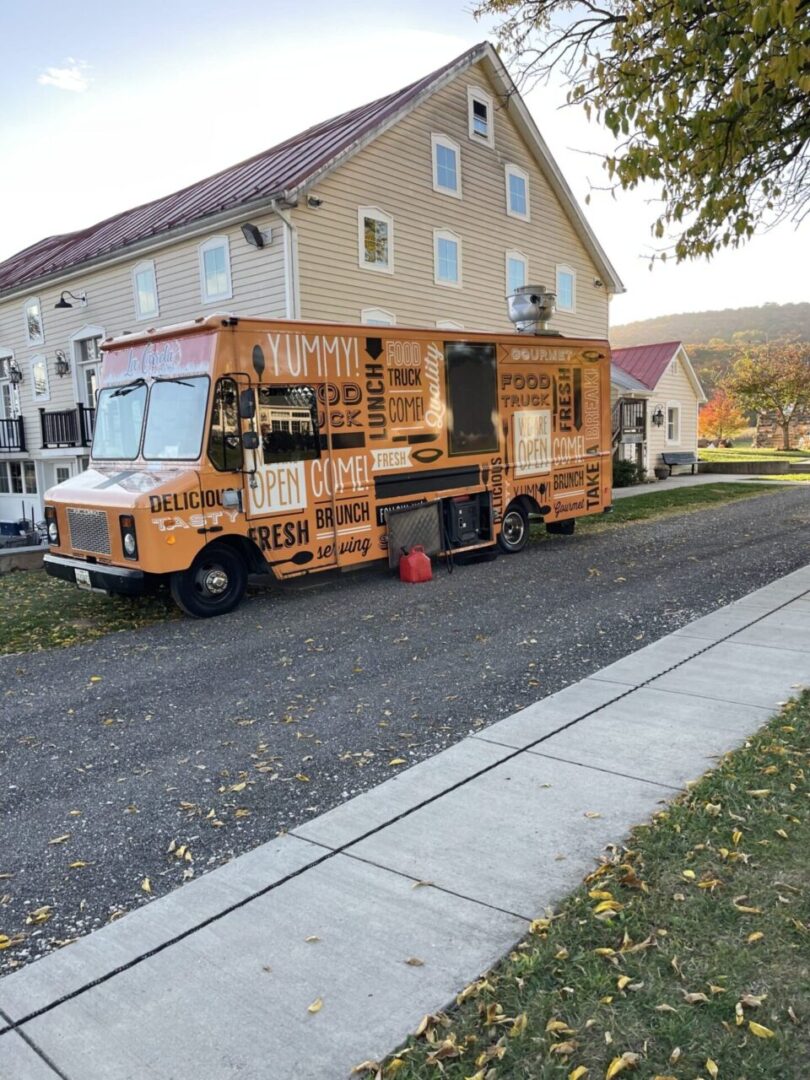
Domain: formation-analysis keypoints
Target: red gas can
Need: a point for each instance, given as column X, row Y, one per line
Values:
column 414, row 565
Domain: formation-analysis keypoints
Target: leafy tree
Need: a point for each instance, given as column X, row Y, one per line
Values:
column 709, row 99
column 720, row 418
column 775, row 379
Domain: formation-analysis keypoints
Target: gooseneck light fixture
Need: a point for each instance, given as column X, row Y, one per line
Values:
column 79, row 298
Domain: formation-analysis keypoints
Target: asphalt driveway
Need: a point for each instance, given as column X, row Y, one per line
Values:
column 133, row 763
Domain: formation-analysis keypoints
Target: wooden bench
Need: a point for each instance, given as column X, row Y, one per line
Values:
column 686, row 457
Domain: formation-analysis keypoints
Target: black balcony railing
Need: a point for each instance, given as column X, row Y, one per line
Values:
column 12, row 435
column 70, row 427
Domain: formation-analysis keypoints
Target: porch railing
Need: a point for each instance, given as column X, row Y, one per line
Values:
column 70, row 427
column 12, row 434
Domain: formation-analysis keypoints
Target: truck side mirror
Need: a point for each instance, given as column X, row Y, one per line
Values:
column 250, row 440
column 247, row 404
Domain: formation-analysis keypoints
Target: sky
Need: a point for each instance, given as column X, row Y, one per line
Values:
column 107, row 106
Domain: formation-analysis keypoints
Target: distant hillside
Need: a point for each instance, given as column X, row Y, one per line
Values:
column 714, row 338
column 743, row 325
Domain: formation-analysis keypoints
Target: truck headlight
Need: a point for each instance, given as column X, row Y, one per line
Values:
column 129, row 541
column 53, row 528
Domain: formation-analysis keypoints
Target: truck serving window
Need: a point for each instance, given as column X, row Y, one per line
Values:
column 471, row 397
column 224, row 442
column 288, row 423
column 119, row 419
column 174, row 424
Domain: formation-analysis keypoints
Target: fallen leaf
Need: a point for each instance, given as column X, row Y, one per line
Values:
column 39, row 915
column 756, row 936
column 744, row 908
column 311, row 938
column 620, row 1064
column 760, row 1030
column 665, row 1008
column 519, row 1025
column 414, row 961
column 77, row 865
column 562, row 1049
column 759, row 793
column 366, row 1066
column 60, row 839
column 711, row 1068
column 753, row 1001
column 398, row 761
column 694, row 999
column 146, row 885
column 688, row 874
column 95, row 678
column 607, row 905
column 316, row 1006
column 622, row 981
column 421, row 884
column 591, row 814
column 558, row 1025
column 578, row 1073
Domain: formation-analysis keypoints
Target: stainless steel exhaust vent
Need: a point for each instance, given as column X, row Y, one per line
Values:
column 530, row 308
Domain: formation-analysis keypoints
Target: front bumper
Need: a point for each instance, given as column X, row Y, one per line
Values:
column 115, row 579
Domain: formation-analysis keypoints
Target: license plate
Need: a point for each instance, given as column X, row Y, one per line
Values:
column 83, row 579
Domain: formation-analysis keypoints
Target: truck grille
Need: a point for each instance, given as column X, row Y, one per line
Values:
column 89, row 531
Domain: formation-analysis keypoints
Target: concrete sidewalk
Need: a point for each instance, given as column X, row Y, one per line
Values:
column 682, row 480
column 446, row 862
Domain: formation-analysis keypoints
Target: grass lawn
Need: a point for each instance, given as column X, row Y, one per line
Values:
column 746, row 453
column 683, row 956
column 664, row 502
column 792, row 477
column 37, row 612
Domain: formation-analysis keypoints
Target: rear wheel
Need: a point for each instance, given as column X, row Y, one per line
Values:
column 214, row 584
column 514, row 532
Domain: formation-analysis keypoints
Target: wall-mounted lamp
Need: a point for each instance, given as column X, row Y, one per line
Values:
column 15, row 376
column 62, row 364
column 79, row 298
column 658, row 416
column 254, row 235
column 598, row 283
column 313, row 202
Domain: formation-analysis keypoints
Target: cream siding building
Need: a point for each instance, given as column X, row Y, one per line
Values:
column 654, row 391
column 424, row 208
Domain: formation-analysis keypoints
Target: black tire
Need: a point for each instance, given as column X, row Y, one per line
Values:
column 214, row 584
column 514, row 534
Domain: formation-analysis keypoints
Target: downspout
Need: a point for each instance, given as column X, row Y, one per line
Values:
column 291, row 293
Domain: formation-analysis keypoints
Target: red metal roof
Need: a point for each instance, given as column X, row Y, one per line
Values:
column 647, row 363
column 283, row 168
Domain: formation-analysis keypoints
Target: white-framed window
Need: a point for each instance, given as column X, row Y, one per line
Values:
column 480, row 112
column 446, row 258
column 566, row 289
column 215, row 270
column 87, row 363
column 517, row 192
column 18, row 478
column 144, row 286
column 673, row 422
column 446, row 165
column 375, row 239
column 40, row 387
column 517, row 271
column 673, row 367
column 34, row 326
column 375, row 316
column 9, row 394
column 448, row 324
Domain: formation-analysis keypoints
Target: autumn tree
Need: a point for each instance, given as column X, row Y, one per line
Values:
column 708, row 99
column 775, row 379
column 720, row 418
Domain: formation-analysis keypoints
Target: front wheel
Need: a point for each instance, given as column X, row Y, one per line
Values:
column 214, row 584
column 514, row 534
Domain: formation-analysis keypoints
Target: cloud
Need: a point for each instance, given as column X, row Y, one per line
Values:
column 73, row 77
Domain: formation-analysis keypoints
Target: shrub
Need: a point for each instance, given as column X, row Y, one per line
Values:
column 627, row 473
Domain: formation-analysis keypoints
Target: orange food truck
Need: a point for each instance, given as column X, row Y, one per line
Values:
column 230, row 446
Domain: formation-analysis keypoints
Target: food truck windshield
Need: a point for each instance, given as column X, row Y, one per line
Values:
column 161, row 422
column 153, row 402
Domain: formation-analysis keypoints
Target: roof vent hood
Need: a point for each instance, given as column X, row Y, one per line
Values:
column 530, row 308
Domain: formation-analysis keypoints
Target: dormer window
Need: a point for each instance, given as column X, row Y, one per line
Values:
column 480, row 116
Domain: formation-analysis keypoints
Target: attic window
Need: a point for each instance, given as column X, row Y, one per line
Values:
column 480, row 116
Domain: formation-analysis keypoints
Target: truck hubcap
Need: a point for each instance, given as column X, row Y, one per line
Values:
column 215, row 581
column 512, row 528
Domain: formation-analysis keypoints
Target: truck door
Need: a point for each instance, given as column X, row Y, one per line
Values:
column 289, row 455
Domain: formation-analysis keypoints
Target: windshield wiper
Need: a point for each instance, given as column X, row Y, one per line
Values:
column 175, row 380
column 122, row 390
